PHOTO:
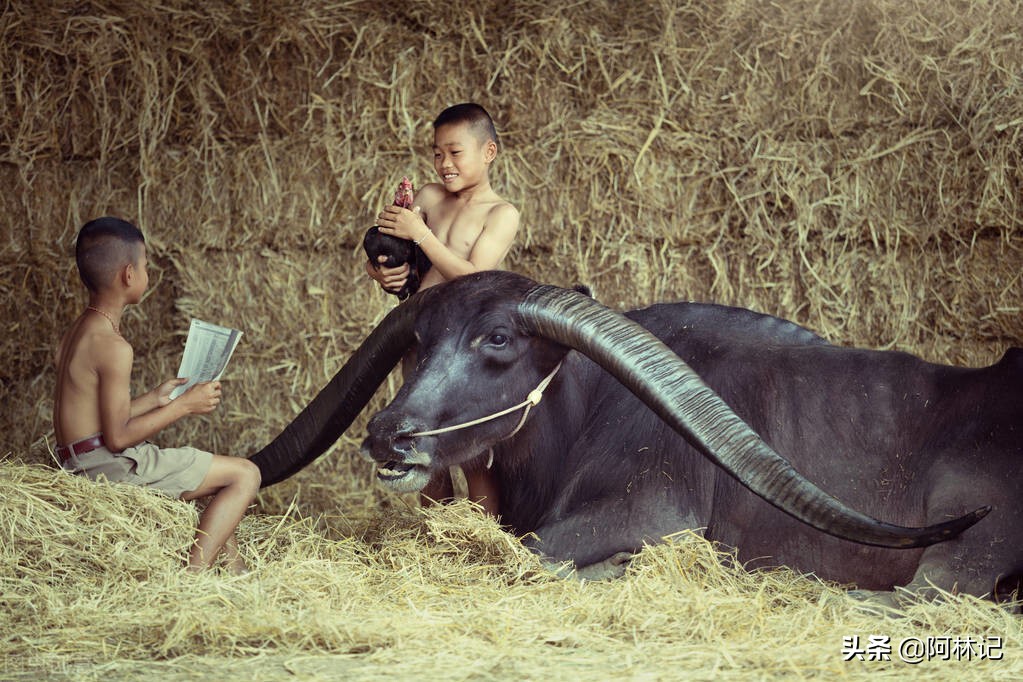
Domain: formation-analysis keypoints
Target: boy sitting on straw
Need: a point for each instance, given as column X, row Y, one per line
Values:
column 101, row 430
column 462, row 226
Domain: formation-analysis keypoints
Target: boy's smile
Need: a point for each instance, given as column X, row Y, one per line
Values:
column 460, row 157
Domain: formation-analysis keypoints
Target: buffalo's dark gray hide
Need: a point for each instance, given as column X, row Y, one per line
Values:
column 699, row 416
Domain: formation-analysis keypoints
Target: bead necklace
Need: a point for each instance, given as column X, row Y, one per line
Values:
column 113, row 324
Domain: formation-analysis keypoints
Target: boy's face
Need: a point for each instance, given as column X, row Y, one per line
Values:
column 460, row 157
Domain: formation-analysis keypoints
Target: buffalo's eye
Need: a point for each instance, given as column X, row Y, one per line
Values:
column 496, row 343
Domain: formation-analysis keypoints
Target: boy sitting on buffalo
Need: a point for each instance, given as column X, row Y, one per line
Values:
column 462, row 226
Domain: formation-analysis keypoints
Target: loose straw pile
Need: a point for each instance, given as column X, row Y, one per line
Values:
column 93, row 584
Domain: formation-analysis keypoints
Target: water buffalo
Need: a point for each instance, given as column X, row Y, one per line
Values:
column 696, row 416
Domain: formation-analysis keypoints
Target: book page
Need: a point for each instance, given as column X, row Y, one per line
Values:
column 207, row 350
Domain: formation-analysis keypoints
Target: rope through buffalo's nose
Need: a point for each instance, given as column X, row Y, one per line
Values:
column 531, row 401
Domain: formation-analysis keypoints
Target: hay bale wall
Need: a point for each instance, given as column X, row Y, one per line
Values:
column 852, row 166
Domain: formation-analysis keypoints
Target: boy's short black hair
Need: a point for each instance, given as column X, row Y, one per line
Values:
column 105, row 245
column 472, row 114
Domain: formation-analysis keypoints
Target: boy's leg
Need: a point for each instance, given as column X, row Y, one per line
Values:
column 233, row 559
column 233, row 482
column 438, row 489
column 483, row 490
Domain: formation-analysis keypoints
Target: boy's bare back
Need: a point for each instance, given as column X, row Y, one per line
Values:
column 89, row 349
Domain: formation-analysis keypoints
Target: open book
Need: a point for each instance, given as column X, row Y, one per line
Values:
column 207, row 350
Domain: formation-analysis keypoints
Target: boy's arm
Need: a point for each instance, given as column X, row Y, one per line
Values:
column 157, row 397
column 491, row 246
column 147, row 402
column 120, row 429
column 495, row 241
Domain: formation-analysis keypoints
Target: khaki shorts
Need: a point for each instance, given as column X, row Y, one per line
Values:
column 172, row 471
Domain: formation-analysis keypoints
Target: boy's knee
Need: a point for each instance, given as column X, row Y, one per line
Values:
column 250, row 474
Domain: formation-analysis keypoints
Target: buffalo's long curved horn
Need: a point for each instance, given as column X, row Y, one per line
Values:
column 679, row 396
column 334, row 408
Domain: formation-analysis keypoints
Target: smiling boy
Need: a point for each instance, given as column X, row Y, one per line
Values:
column 461, row 224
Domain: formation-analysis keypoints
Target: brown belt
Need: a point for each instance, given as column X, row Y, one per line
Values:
column 80, row 447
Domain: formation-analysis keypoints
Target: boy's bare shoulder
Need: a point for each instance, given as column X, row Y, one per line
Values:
column 504, row 207
column 94, row 346
column 503, row 213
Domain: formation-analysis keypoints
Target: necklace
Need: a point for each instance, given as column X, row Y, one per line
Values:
column 113, row 324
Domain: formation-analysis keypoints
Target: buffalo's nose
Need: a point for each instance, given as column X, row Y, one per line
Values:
column 403, row 443
column 390, row 439
column 381, row 450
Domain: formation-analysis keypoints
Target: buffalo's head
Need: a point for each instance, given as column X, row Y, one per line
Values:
column 474, row 358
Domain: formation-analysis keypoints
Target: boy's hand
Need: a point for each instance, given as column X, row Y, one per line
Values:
column 401, row 222
column 390, row 279
column 202, row 398
column 163, row 391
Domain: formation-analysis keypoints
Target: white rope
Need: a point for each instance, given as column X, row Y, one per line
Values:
column 531, row 401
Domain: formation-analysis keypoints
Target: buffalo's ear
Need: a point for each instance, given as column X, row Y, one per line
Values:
column 583, row 289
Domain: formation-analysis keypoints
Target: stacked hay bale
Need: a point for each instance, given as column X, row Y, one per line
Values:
column 852, row 166
column 855, row 169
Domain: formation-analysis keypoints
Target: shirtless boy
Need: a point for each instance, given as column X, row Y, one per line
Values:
column 461, row 224
column 101, row 430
